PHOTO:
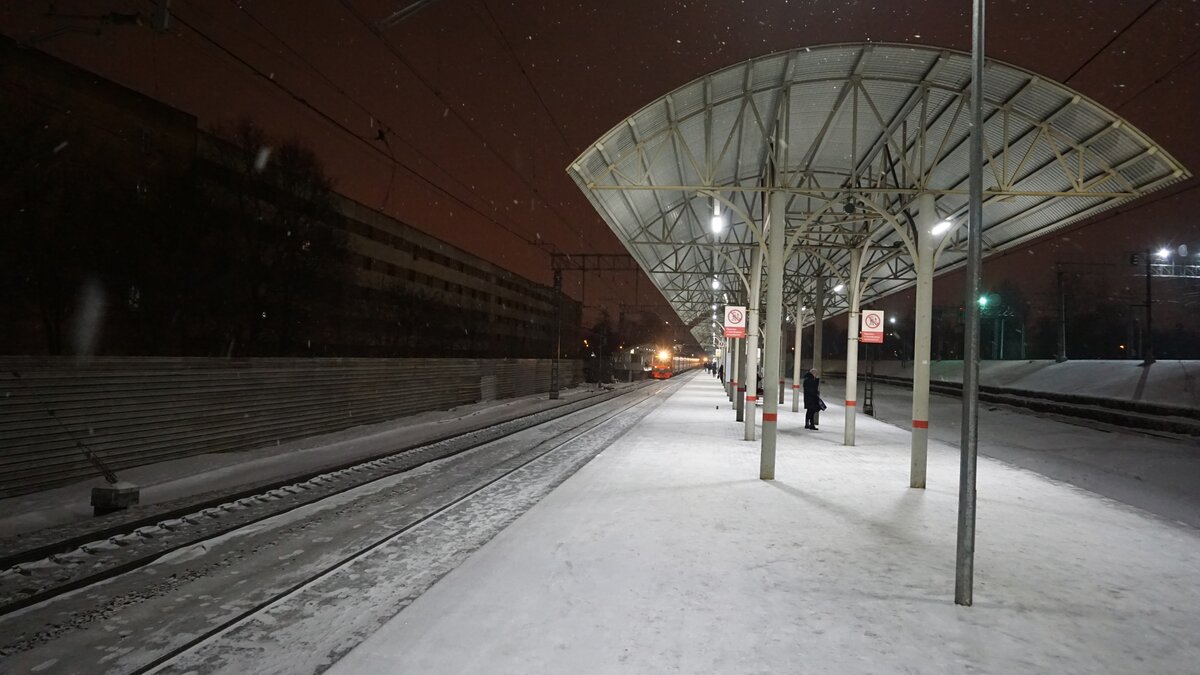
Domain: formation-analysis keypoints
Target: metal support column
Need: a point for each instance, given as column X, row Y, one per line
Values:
column 964, row 577
column 772, row 348
column 818, row 358
column 739, row 389
column 796, row 375
column 727, row 359
column 922, row 336
column 751, row 416
column 782, row 358
column 854, row 290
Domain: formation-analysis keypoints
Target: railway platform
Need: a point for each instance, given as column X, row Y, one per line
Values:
column 666, row 553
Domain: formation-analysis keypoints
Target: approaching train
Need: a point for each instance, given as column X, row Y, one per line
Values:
column 665, row 364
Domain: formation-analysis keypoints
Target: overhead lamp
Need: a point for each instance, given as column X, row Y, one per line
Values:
column 718, row 222
column 714, row 308
column 892, row 320
column 838, row 288
column 716, row 284
column 1163, row 253
column 941, row 227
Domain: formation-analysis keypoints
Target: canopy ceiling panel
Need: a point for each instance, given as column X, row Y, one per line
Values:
column 856, row 132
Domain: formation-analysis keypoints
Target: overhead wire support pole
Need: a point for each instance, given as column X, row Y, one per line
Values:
column 964, row 577
column 555, row 374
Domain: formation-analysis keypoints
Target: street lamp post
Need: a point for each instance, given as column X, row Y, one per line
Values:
column 1062, row 319
column 1148, row 342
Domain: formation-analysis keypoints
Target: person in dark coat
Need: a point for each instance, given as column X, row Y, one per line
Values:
column 812, row 399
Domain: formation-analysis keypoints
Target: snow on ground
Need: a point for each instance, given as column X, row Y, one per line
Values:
column 323, row 620
column 667, row 554
column 1174, row 383
column 167, row 481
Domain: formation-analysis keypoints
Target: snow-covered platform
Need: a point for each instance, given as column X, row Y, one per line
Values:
column 667, row 554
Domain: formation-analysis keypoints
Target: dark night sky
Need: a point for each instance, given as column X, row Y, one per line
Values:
column 485, row 102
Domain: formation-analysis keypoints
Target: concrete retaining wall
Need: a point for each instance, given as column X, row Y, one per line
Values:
column 135, row 411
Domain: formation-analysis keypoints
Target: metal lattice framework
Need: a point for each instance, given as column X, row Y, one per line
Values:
column 856, row 131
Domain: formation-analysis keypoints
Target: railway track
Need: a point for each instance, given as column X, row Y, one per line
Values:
column 32, row 589
column 39, row 573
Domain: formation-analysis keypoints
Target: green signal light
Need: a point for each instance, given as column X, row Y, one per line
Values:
column 983, row 301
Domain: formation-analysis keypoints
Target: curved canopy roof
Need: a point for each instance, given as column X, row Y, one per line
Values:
column 858, row 131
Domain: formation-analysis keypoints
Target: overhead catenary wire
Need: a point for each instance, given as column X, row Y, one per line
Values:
column 1158, row 80
column 537, row 95
column 1116, row 36
column 374, row 116
column 341, row 126
column 399, row 56
column 389, row 130
column 525, row 74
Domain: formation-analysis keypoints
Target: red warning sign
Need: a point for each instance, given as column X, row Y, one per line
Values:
column 872, row 326
column 735, row 322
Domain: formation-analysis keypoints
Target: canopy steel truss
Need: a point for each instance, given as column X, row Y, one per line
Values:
column 857, row 132
column 839, row 175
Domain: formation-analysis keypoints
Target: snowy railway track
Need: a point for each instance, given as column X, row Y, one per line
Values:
column 304, row 587
column 77, row 564
column 171, row 661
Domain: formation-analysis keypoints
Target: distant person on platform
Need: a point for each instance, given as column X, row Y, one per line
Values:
column 721, row 373
column 812, row 399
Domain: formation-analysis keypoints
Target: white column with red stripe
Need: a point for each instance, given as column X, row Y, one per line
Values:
column 796, row 361
column 751, row 370
column 927, row 219
column 853, row 290
column 818, row 348
column 772, row 348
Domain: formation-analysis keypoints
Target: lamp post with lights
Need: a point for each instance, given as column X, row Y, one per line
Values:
column 1148, row 343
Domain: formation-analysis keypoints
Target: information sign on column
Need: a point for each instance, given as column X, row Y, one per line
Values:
column 872, row 326
column 735, row 322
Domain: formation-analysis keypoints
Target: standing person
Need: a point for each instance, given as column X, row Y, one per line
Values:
column 812, row 398
column 721, row 373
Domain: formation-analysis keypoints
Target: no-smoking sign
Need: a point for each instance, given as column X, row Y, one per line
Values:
column 872, row 326
column 735, row 322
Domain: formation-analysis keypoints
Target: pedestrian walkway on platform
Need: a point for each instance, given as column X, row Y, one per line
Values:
column 667, row 554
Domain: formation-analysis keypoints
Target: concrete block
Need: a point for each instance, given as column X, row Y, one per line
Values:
column 114, row 497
